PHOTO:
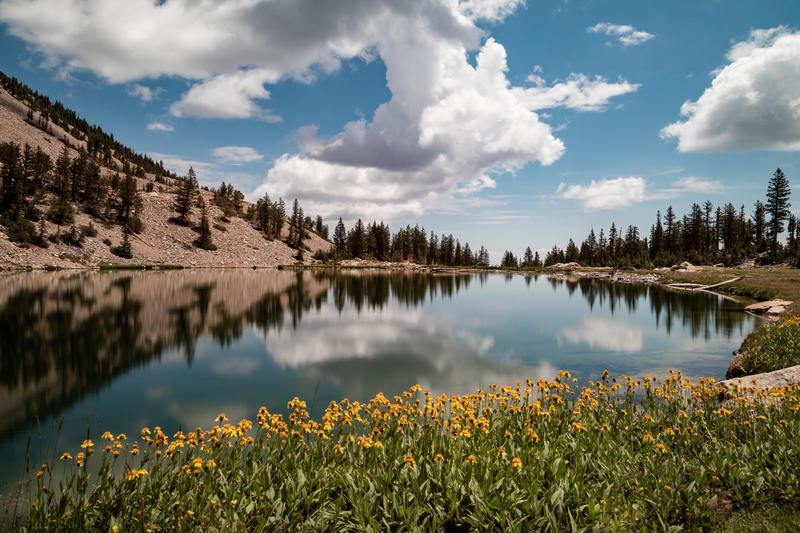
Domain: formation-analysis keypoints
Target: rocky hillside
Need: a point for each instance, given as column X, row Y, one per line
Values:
column 238, row 243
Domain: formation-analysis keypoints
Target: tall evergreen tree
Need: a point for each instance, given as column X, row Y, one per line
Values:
column 777, row 206
column 340, row 238
column 185, row 198
column 527, row 257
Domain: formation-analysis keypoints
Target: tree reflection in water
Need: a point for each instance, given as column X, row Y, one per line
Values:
column 66, row 335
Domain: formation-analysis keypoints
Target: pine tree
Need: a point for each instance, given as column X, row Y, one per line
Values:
column 527, row 258
column 295, row 231
column 185, row 198
column 124, row 249
column 777, row 206
column 204, row 240
column 356, row 239
column 340, row 238
column 760, row 226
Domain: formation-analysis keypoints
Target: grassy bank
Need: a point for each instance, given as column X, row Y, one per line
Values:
column 774, row 346
column 764, row 283
column 550, row 455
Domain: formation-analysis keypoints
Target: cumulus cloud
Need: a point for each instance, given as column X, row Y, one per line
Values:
column 144, row 93
column 491, row 10
column 237, row 154
column 449, row 128
column 606, row 194
column 577, row 92
column 753, row 102
column 627, row 35
column 228, row 96
column 159, row 126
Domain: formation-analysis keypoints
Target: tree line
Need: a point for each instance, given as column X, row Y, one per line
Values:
column 99, row 145
column 375, row 241
column 705, row 235
column 33, row 189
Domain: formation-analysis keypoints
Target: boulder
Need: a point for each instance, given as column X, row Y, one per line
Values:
column 776, row 310
column 736, row 368
column 777, row 378
column 772, row 307
column 571, row 264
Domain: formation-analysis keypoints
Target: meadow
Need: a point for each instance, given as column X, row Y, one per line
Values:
column 774, row 346
column 612, row 454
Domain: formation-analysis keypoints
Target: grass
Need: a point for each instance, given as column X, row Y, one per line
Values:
column 767, row 519
column 764, row 283
column 616, row 455
column 123, row 266
column 774, row 346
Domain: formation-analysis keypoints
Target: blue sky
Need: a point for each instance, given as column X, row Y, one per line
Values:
column 507, row 123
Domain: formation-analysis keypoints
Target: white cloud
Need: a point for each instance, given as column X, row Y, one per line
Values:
column 492, row 10
column 695, row 184
column 577, row 92
column 606, row 194
column 144, row 93
column 690, row 184
column 753, row 102
column 159, row 126
column 205, row 171
column 449, row 128
column 627, row 35
column 228, row 96
column 237, row 154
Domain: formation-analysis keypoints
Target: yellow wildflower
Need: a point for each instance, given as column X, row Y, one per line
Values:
column 439, row 458
column 647, row 438
column 409, row 460
column 471, row 459
column 660, row 448
column 516, row 462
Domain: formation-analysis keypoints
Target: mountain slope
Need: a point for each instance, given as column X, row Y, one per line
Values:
column 160, row 241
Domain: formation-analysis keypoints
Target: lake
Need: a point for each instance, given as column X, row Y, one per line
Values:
column 122, row 350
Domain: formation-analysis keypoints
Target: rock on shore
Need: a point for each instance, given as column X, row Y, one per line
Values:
column 769, row 308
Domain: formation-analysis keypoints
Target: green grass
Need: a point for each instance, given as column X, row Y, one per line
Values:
column 774, row 346
column 765, row 519
column 618, row 455
column 123, row 266
column 762, row 283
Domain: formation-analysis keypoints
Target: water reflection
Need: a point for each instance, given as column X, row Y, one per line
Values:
column 605, row 334
column 69, row 336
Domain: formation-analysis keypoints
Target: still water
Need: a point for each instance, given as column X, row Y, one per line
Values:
column 119, row 351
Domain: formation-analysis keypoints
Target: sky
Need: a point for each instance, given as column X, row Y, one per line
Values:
column 508, row 123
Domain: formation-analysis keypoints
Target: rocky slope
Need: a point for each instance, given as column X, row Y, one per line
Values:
column 161, row 242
